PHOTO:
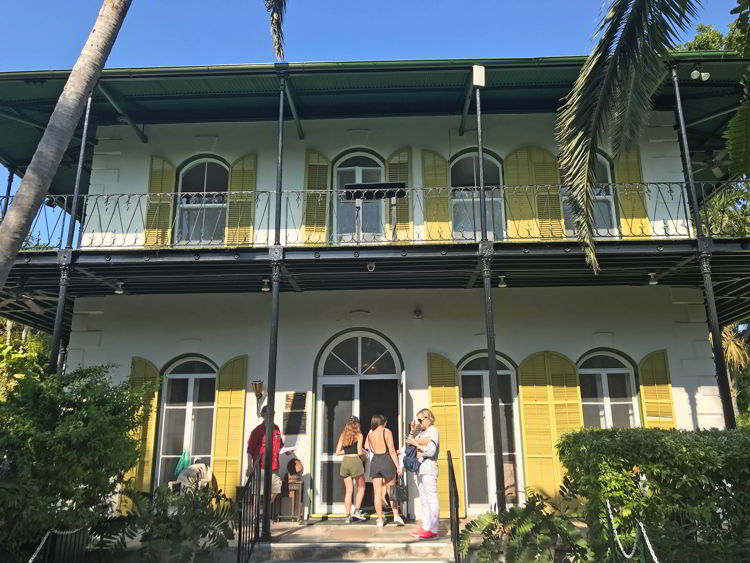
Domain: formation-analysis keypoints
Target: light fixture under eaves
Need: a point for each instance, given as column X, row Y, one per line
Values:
column 266, row 288
column 119, row 290
column 502, row 283
column 652, row 279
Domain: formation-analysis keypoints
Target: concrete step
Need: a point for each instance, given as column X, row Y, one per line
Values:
column 371, row 551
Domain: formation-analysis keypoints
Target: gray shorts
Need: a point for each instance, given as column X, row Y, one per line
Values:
column 382, row 466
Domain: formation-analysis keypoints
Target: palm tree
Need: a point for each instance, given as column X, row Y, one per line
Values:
column 611, row 99
column 17, row 223
column 59, row 132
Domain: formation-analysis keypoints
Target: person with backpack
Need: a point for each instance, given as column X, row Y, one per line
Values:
column 425, row 440
column 256, row 452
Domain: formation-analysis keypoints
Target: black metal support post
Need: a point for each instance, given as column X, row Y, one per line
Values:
column 11, row 172
column 486, row 253
column 704, row 259
column 276, row 254
column 64, row 256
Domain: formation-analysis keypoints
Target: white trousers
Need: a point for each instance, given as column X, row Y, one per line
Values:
column 428, row 498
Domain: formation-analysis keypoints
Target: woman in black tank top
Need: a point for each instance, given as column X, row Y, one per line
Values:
column 352, row 469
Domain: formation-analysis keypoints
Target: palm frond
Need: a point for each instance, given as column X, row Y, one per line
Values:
column 735, row 349
column 612, row 94
column 276, row 10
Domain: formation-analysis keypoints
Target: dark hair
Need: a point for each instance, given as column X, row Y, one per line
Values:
column 377, row 420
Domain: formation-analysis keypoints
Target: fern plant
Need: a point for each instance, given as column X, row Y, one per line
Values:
column 533, row 532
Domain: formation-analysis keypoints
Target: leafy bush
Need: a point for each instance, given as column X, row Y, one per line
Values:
column 691, row 490
column 538, row 531
column 66, row 442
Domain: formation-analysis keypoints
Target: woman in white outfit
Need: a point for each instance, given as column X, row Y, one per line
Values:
column 427, row 441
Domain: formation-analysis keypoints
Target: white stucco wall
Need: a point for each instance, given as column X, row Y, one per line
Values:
column 121, row 162
column 571, row 321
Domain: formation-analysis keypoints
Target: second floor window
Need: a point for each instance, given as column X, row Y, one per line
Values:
column 202, row 204
column 465, row 198
column 358, row 219
column 604, row 205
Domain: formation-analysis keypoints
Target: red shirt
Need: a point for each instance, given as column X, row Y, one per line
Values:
column 256, row 445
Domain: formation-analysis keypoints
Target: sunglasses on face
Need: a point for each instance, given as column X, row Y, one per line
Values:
column 419, row 420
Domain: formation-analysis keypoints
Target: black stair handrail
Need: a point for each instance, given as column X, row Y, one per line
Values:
column 453, row 496
column 249, row 501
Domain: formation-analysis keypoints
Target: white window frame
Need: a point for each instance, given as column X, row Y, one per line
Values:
column 603, row 384
column 496, row 199
column 358, row 236
column 341, row 380
column 188, row 407
column 205, row 202
column 608, row 196
column 475, row 509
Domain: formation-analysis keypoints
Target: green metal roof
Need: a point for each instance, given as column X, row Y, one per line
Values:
column 338, row 89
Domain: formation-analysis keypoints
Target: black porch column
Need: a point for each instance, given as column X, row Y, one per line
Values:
column 11, row 172
column 64, row 256
column 704, row 259
column 276, row 254
column 486, row 253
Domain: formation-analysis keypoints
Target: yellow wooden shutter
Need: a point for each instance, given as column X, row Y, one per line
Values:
column 241, row 202
column 315, row 220
column 631, row 200
column 550, row 406
column 437, row 195
column 446, row 406
column 656, row 391
column 143, row 372
column 229, row 425
column 161, row 186
column 532, row 196
column 398, row 169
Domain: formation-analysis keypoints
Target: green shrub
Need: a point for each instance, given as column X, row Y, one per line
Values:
column 691, row 490
column 65, row 444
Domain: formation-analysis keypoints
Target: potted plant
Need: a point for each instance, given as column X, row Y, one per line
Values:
column 174, row 526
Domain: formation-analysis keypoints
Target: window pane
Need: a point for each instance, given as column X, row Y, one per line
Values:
column 476, row 482
column 504, row 387
column 591, row 386
column 463, row 218
column 474, row 429
column 511, row 490
column 602, row 171
column 347, row 351
column 481, row 363
column 593, row 416
column 168, row 465
column 603, row 216
column 373, row 358
column 360, row 160
column 372, row 216
column 214, row 223
column 464, row 173
column 345, row 218
column 602, row 362
column 203, row 424
column 471, row 389
column 495, row 217
column 190, row 225
column 177, row 390
column 193, row 366
column 623, row 416
column 506, row 429
column 619, row 386
column 204, row 390
column 174, row 431
column 338, row 403
column 193, row 179
column 217, row 178
column 371, row 175
column 334, row 366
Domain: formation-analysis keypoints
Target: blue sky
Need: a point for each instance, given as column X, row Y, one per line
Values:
column 196, row 32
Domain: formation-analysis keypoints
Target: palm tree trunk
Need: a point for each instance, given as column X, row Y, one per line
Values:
column 60, row 129
column 8, row 332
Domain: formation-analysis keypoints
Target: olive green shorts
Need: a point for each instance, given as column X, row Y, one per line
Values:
column 351, row 466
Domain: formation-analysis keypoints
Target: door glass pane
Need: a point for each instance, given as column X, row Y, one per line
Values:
column 619, row 386
column 177, row 390
column 603, row 217
column 593, row 416
column 471, row 389
column 345, row 209
column 463, row 216
column 504, row 387
column 370, row 175
column 203, row 424
column 591, row 387
column 623, row 415
column 204, row 391
column 338, row 404
column 509, row 467
column 495, row 216
column 372, row 213
column 190, row 224
column 174, row 431
column 506, row 427
column 476, row 482
column 332, row 485
column 168, row 465
column 214, row 223
column 474, row 429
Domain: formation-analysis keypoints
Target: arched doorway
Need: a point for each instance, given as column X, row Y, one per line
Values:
column 359, row 374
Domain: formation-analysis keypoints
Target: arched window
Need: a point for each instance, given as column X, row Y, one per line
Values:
column 477, row 431
column 608, row 393
column 465, row 197
column 605, row 220
column 359, row 214
column 202, row 205
column 187, row 416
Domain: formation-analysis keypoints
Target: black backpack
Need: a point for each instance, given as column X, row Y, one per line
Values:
column 411, row 463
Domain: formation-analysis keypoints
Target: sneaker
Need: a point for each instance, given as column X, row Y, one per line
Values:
column 381, row 523
column 428, row 535
column 398, row 520
column 417, row 533
column 358, row 515
column 348, row 519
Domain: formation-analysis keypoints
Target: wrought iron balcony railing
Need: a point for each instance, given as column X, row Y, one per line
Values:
column 373, row 216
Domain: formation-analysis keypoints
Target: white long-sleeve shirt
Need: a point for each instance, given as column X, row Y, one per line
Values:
column 431, row 451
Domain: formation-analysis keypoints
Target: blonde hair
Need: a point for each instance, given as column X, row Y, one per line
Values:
column 427, row 413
